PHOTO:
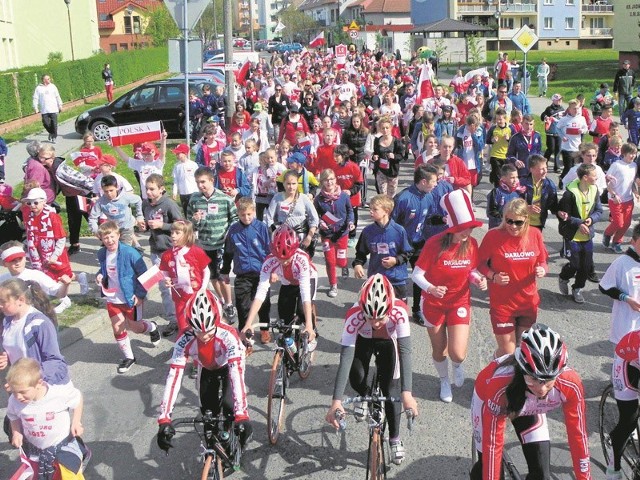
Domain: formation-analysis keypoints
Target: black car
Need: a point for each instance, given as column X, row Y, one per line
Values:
column 161, row 100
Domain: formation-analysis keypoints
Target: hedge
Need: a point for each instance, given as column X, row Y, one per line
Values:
column 77, row 79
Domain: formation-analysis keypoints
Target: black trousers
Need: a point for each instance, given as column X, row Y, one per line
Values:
column 553, row 148
column 627, row 420
column 74, row 219
column 50, row 123
column 567, row 161
column 245, row 287
column 352, row 233
column 290, row 303
column 210, row 383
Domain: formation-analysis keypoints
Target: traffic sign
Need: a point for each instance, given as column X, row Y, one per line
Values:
column 525, row 38
column 354, row 25
column 194, row 11
column 354, row 34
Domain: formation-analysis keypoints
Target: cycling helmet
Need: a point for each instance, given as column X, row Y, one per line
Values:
column 204, row 312
column 376, row 296
column 541, row 354
column 285, row 242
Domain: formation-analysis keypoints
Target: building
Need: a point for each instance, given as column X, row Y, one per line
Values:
column 325, row 12
column 559, row 24
column 627, row 32
column 242, row 17
column 268, row 16
column 31, row 30
column 122, row 23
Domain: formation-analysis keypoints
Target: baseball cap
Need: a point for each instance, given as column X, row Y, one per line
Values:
column 36, row 194
column 257, row 107
column 556, row 97
column 11, row 253
column 147, row 148
column 214, row 118
column 181, row 148
column 109, row 159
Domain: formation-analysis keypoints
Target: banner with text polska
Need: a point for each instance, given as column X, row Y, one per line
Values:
column 135, row 133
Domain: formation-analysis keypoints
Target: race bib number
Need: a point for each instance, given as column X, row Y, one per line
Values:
column 384, row 163
column 212, row 209
column 383, row 249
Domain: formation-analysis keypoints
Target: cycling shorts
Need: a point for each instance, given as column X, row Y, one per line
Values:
column 624, row 377
column 435, row 317
column 507, row 323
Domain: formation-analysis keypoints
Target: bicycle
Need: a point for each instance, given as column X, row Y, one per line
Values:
column 283, row 366
column 376, row 458
column 220, row 448
column 607, row 420
column 509, row 469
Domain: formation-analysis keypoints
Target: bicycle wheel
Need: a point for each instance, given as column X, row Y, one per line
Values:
column 276, row 398
column 209, row 473
column 375, row 460
column 608, row 419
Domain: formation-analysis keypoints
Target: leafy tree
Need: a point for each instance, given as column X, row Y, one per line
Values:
column 298, row 25
column 161, row 26
column 54, row 57
column 440, row 48
column 211, row 22
column 474, row 47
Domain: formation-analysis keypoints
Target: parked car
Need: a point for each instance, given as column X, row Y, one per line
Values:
column 240, row 42
column 272, row 45
column 261, row 45
column 207, row 54
column 161, row 100
column 289, row 47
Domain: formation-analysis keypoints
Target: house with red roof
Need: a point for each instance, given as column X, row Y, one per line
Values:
column 121, row 23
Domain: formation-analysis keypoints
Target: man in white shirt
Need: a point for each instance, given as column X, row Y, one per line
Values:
column 47, row 102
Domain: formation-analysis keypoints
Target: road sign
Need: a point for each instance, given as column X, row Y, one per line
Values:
column 194, row 11
column 354, row 34
column 354, row 25
column 229, row 67
column 525, row 38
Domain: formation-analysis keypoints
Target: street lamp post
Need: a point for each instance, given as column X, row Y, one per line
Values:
column 68, row 2
column 130, row 14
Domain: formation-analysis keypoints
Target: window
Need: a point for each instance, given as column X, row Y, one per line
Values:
column 104, row 17
column 136, row 25
column 113, row 47
column 506, row 23
column 124, row 46
column 596, row 22
column 571, row 2
column 144, row 96
column 548, row 2
column 127, row 24
column 170, row 94
column 568, row 23
column 548, row 23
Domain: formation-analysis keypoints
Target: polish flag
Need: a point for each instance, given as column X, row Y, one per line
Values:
column 425, row 83
column 25, row 471
column 318, row 41
column 151, row 278
column 243, row 74
column 83, row 203
column 136, row 133
column 330, row 219
column 304, row 141
column 483, row 72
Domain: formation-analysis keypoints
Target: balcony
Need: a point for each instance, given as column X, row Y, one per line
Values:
column 518, row 8
column 597, row 7
column 484, row 9
column 597, row 32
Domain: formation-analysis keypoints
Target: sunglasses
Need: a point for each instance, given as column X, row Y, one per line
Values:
column 531, row 381
column 33, row 202
column 517, row 223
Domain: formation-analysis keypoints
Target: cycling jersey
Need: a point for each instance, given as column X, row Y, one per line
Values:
column 224, row 350
column 489, row 414
column 299, row 271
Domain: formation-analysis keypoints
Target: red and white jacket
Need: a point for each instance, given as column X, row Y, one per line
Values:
column 299, row 271
column 225, row 349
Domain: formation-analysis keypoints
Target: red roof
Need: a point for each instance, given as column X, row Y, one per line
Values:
column 389, row 28
column 387, row 6
column 111, row 6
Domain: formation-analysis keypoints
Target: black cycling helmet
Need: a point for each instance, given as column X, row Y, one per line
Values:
column 542, row 354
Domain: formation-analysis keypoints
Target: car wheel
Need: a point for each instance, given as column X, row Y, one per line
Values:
column 100, row 131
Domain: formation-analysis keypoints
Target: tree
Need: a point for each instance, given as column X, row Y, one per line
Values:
column 298, row 25
column 440, row 49
column 161, row 26
column 211, row 22
column 474, row 47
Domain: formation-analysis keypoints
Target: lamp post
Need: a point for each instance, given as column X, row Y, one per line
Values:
column 130, row 14
column 68, row 2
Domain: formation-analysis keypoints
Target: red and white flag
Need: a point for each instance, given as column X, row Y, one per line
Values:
column 318, row 41
column 330, row 219
column 425, row 83
column 83, row 203
column 243, row 74
column 483, row 72
column 151, row 278
column 304, row 141
column 25, row 471
column 136, row 133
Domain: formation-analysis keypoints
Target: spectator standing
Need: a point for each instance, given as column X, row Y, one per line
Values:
column 47, row 102
column 542, row 72
column 107, row 76
column 623, row 84
column 519, row 99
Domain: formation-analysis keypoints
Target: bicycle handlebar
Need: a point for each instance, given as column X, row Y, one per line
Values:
column 342, row 422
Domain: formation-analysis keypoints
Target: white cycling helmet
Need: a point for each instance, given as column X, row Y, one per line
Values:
column 205, row 312
column 542, row 354
column 376, row 296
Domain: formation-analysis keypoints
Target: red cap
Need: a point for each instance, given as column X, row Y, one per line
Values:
column 109, row 159
column 181, row 148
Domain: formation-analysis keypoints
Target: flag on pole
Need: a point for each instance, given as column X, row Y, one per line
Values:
column 317, row 41
column 25, row 471
column 243, row 74
column 425, row 83
column 279, row 27
column 83, row 203
column 150, row 278
column 478, row 71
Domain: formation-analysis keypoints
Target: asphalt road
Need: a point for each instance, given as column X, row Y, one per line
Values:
column 120, row 410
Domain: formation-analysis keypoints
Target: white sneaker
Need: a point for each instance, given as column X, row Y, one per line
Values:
column 445, row 391
column 84, row 285
column 333, row 291
column 311, row 346
column 613, row 475
column 360, row 411
column 63, row 305
column 397, row 451
column 458, row 376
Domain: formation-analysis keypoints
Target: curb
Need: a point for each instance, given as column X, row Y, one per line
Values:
column 82, row 329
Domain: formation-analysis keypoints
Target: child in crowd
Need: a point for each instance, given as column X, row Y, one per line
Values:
column 148, row 164
column 235, row 146
column 429, row 152
column 434, row 222
column 541, row 193
column 336, row 220
column 470, row 141
column 186, row 269
column 515, row 120
column 230, row 179
column 120, row 267
column 603, row 143
column 209, row 148
column 307, row 182
column 247, row 246
column 303, row 144
column 622, row 185
column 284, row 149
column 250, row 161
column 160, row 212
column 47, row 243
column 387, row 246
column 266, row 180
column 184, row 182
column 324, row 155
column 46, row 418
column 577, row 229
column 498, row 137
column 116, row 206
column 105, row 167
column 350, row 179
column 508, row 188
column 446, row 124
column 600, row 124
column 212, row 213
column 631, row 120
column 612, row 154
column 588, row 154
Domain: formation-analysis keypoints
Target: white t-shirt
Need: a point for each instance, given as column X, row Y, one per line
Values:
column 114, row 281
column 145, row 169
column 46, row 422
column 624, row 274
column 184, row 181
column 48, row 284
column 572, row 174
column 624, row 174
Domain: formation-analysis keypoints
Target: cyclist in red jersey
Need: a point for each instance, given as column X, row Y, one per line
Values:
column 523, row 387
column 378, row 324
column 221, row 358
column 625, row 378
column 299, row 279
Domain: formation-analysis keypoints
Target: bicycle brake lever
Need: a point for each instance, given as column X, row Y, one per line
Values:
column 410, row 417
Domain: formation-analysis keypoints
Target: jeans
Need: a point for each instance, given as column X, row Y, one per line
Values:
column 50, row 123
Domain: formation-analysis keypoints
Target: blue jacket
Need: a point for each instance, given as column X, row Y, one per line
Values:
column 246, row 246
column 434, row 221
column 379, row 242
column 41, row 341
column 631, row 120
column 548, row 197
column 341, row 209
column 479, row 141
column 520, row 102
column 130, row 266
column 410, row 211
column 444, row 128
column 497, row 198
column 519, row 150
column 242, row 184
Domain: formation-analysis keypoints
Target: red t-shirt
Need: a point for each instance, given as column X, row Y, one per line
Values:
column 447, row 270
column 324, row 159
column 227, row 180
column 197, row 260
column 346, row 176
column 517, row 256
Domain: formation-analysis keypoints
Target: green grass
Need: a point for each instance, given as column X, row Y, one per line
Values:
column 80, row 308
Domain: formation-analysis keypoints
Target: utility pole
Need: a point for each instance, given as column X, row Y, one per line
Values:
column 185, row 57
column 228, row 60
column 251, row 23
